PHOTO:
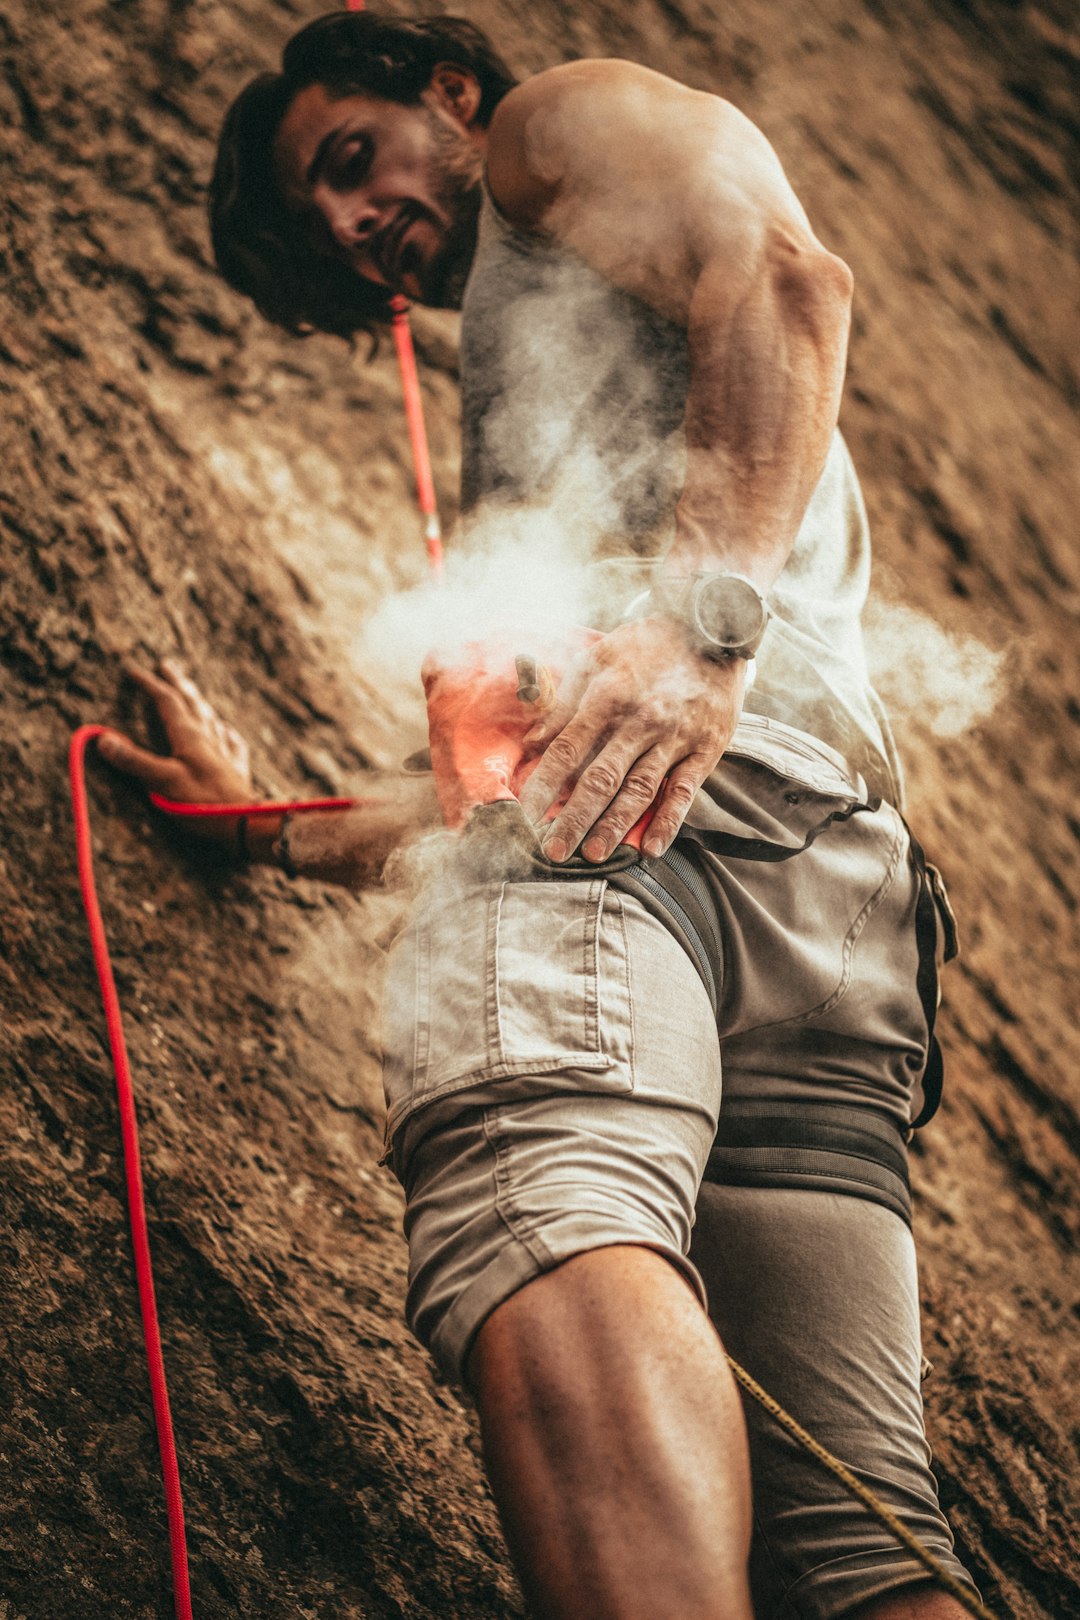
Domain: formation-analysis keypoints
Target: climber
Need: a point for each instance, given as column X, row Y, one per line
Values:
column 652, row 353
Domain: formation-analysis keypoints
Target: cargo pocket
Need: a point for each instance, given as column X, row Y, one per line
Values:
column 773, row 793
column 803, row 857
column 503, row 991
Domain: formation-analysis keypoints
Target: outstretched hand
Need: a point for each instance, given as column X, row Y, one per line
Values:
column 641, row 706
column 208, row 761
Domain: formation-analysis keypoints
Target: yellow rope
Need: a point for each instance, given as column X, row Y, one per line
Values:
column 963, row 1594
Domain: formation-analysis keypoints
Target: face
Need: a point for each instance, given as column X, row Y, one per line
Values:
column 393, row 191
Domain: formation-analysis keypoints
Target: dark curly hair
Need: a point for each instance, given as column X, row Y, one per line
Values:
column 258, row 246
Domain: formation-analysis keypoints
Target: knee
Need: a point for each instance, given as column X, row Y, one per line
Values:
column 627, row 1303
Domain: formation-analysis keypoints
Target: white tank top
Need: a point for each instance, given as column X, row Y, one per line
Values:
column 573, row 395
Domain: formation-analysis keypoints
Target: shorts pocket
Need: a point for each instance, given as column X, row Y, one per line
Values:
column 506, row 990
column 772, row 793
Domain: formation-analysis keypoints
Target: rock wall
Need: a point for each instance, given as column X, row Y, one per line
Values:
column 179, row 480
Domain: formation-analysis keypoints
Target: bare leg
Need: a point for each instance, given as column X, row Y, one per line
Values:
column 912, row 1603
column 615, row 1444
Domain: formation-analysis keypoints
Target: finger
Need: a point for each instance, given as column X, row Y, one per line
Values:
column 147, row 679
column 155, row 772
column 597, row 786
column 184, row 684
column 643, row 782
column 174, row 710
column 676, row 799
column 554, row 720
column 557, row 716
column 237, row 750
column 564, row 759
column 165, row 695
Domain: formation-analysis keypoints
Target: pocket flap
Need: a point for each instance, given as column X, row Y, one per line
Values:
column 775, row 787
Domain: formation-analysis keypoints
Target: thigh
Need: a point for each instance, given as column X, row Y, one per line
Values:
column 815, row 1293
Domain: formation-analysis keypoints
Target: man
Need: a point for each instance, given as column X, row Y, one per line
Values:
column 652, row 352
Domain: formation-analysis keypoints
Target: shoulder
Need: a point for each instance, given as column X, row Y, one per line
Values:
column 553, row 130
column 596, row 88
column 594, row 126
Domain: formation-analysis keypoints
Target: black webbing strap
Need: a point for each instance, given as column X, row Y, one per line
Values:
column 672, row 889
column 818, row 1146
column 931, row 908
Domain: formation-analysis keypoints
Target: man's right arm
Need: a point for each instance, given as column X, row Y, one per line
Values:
column 675, row 197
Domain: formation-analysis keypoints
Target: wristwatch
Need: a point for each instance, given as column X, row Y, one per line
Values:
column 725, row 614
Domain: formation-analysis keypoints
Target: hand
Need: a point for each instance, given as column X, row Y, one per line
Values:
column 208, row 762
column 642, row 706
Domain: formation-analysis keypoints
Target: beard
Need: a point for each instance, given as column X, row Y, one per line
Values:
column 455, row 177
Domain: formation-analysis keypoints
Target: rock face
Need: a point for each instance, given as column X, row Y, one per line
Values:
column 180, row 480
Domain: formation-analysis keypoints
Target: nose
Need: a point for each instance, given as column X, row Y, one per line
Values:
column 349, row 220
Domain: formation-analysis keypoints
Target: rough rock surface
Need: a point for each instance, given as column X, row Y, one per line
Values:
column 180, row 480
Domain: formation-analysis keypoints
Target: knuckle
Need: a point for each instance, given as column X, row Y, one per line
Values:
column 613, row 827
column 640, row 786
column 562, row 754
column 571, row 828
column 681, row 792
column 577, row 815
column 602, row 778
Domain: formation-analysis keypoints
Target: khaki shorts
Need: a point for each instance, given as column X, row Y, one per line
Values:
column 816, row 1293
column 553, row 1079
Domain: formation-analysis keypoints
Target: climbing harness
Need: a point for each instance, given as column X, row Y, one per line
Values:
column 822, row 1147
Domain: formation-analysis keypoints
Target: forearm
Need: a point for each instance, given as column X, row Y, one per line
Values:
column 347, row 847
column 766, row 378
column 208, row 764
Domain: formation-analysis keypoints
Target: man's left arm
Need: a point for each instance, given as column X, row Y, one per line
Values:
column 726, row 250
column 208, row 762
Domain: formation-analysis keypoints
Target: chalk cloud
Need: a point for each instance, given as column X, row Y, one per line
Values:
column 945, row 680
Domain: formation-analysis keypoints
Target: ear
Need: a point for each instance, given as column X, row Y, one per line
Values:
column 457, row 91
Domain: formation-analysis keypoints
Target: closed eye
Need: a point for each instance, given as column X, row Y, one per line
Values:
column 353, row 162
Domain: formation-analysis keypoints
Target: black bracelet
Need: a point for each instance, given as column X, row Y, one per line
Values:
column 243, row 852
column 281, row 848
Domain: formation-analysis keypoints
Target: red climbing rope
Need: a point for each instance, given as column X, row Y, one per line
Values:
column 132, row 1171
column 274, row 807
column 128, row 1122
column 425, row 489
column 414, row 414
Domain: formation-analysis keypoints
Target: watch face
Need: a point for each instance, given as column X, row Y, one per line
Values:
column 729, row 611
